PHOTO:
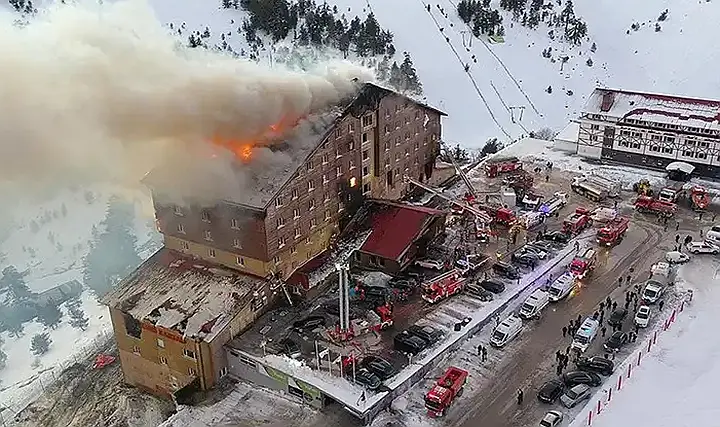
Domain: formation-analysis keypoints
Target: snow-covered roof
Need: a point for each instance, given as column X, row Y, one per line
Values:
column 174, row 292
column 659, row 108
column 680, row 166
column 570, row 133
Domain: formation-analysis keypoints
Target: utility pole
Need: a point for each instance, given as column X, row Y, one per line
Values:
column 512, row 114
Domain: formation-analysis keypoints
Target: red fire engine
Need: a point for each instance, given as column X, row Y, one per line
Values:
column 646, row 204
column 577, row 221
column 500, row 165
column 699, row 198
column 583, row 264
column 445, row 390
column 613, row 232
column 440, row 287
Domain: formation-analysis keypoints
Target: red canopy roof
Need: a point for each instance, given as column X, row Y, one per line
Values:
column 394, row 229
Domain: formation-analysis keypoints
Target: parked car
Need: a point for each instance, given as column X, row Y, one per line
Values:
column 537, row 251
column 550, row 391
column 493, row 285
column 617, row 317
column 431, row 264
column 527, row 259
column 309, row 323
column 575, row 395
column 652, row 292
column 642, row 317
column 552, row 419
column 367, row 379
column 290, row 348
column 675, row 257
column 426, row 332
column 378, row 366
column 616, row 341
column 596, row 364
column 702, row 248
column 481, row 293
column 573, row 378
column 406, row 343
column 713, row 235
column 557, row 237
column 506, row 270
column 380, row 293
column 544, row 245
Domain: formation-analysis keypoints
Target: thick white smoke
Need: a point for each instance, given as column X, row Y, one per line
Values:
column 103, row 93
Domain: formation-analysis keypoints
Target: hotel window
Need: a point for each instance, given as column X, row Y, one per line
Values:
column 311, row 185
column 293, row 250
column 338, row 170
column 185, row 245
column 365, row 155
column 366, row 188
column 341, row 207
column 276, row 260
column 338, row 133
column 313, row 223
column 365, row 171
column 280, row 222
column 295, row 193
column 327, row 197
column 351, row 145
column 211, row 253
column 407, row 135
column 310, row 166
column 160, row 343
column 701, row 156
column 327, row 215
column 189, row 353
column 179, row 211
column 417, row 145
column 237, row 244
column 298, row 232
column 191, row 372
column 325, row 179
column 397, row 124
column 352, row 163
column 240, row 261
column 282, row 241
column 278, row 202
column 387, row 145
column 234, row 223
column 417, row 115
column 207, row 235
column 309, row 255
column 367, row 120
column 296, row 213
column 181, row 228
column 311, row 204
column 205, row 216
column 324, row 159
column 136, row 350
column 351, row 127
column 163, row 360
column 397, row 140
column 308, row 241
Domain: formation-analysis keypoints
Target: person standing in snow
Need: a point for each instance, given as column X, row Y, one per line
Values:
column 564, row 331
column 484, row 354
column 662, row 303
column 519, row 396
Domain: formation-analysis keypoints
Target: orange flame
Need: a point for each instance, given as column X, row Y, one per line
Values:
column 243, row 149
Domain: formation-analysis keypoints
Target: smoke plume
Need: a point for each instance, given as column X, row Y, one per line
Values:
column 95, row 93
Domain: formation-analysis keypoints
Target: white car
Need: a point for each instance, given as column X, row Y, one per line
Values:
column 660, row 269
column 642, row 317
column 652, row 293
column 702, row 248
column 713, row 235
column 432, row 264
column 552, row 419
column 675, row 257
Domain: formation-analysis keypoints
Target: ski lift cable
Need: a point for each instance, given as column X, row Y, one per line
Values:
column 472, row 79
column 500, row 97
column 502, row 64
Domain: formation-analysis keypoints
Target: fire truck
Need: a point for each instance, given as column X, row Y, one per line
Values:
column 446, row 389
column 583, row 264
column 577, row 221
column 646, row 204
column 613, row 232
column 499, row 165
column 375, row 320
column 443, row 286
column 699, row 198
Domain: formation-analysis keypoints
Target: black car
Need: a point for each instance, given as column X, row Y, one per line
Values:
column 596, row 364
column 550, row 391
column 481, row 293
column 506, row 270
column 527, row 259
column 367, row 379
column 616, row 341
column 557, row 237
column 427, row 333
column 617, row 317
column 542, row 245
column 573, row 378
column 290, row 348
column 376, row 292
column 406, row 343
column 309, row 323
column 378, row 366
column 493, row 285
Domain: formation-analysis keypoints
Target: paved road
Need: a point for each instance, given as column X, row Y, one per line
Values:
column 532, row 361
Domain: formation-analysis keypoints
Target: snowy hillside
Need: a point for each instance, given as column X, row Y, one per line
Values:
column 673, row 60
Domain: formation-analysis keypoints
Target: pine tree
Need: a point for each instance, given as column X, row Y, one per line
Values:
column 40, row 344
column 396, row 78
column 49, row 315
column 14, row 282
column 78, row 319
column 410, row 81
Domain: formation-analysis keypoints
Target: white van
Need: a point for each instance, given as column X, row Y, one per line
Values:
column 713, row 235
column 584, row 336
column 660, row 269
column 561, row 287
column 534, row 304
column 652, row 292
column 506, row 331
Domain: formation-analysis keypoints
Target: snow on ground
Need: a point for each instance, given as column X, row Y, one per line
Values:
column 674, row 384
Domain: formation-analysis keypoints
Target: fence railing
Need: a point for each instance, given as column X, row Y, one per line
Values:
column 16, row 397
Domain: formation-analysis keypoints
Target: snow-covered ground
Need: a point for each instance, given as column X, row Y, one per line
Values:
column 675, row 382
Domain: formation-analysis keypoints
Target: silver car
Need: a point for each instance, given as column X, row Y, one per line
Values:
column 552, row 419
column 575, row 395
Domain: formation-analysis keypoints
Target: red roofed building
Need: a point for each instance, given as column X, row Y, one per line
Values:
column 399, row 234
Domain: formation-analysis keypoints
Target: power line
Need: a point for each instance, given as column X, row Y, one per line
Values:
column 467, row 71
column 502, row 64
column 510, row 109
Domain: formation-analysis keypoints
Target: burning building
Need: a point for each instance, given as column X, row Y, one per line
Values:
column 285, row 203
